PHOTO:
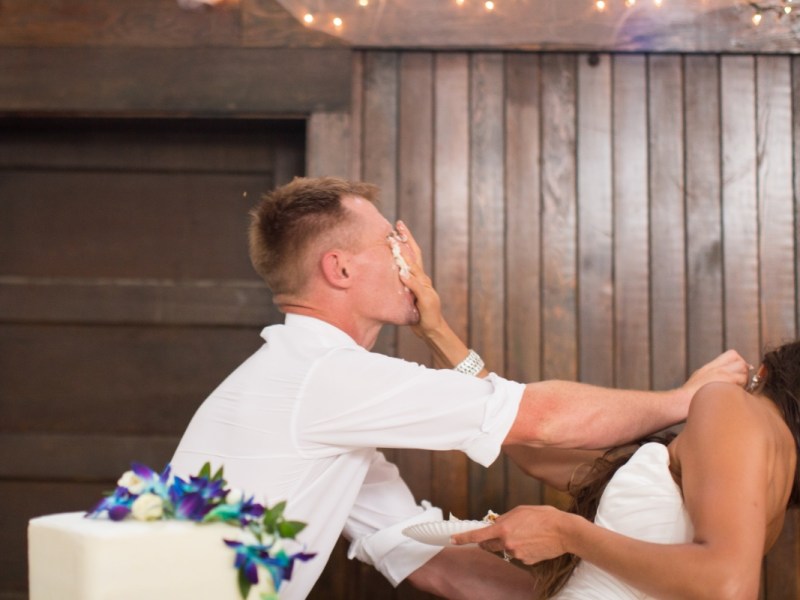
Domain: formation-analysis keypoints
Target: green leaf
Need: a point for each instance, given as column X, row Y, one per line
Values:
column 222, row 512
column 205, row 471
column 217, row 475
column 244, row 584
column 272, row 516
column 289, row 529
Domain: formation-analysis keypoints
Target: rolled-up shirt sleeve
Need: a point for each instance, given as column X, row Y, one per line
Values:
column 383, row 509
column 354, row 398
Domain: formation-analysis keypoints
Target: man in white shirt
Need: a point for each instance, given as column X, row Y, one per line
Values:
column 301, row 419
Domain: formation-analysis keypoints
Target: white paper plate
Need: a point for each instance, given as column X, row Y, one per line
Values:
column 437, row 533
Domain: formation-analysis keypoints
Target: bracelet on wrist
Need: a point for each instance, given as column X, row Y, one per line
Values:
column 471, row 365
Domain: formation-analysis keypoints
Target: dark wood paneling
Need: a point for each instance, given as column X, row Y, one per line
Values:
column 154, row 23
column 136, row 302
column 667, row 221
column 328, row 148
column 559, row 216
column 58, row 23
column 450, row 264
column 487, row 224
column 739, row 197
column 703, row 228
column 74, row 378
column 126, row 224
column 198, row 81
column 87, row 457
column 777, row 252
column 240, row 146
column 631, row 220
column 126, row 293
column 523, row 242
column 595, row 220
column 795, row 67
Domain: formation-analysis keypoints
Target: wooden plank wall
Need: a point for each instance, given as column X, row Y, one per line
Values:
column 617, row 219
column 126, row 296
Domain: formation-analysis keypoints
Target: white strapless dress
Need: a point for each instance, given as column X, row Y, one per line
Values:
column 641, row 501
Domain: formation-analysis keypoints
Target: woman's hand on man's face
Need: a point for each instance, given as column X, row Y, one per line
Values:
column 417, row 280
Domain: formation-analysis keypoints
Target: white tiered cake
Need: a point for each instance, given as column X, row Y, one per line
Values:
column 71, row 557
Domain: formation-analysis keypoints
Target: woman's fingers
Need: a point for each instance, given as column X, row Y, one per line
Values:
column 487, row 537
column 410, row 249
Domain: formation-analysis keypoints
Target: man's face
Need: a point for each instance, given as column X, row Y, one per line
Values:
column 380, row 291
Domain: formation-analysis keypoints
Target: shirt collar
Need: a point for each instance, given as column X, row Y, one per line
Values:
column 329, row 332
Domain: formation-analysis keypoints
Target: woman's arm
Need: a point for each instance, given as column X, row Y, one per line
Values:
column 448, row 349
column 724, row 460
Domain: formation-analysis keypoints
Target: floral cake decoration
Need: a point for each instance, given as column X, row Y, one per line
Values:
column 145, row 495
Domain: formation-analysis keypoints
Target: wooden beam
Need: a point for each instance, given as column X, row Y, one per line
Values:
column 199, row 81
column 94, row 457
column 234, row 303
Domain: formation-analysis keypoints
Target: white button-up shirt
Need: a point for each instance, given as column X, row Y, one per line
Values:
column 300, row 420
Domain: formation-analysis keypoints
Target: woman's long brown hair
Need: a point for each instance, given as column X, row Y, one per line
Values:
column 781, row 384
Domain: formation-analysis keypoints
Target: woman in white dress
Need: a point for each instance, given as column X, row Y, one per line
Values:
column 689, row 519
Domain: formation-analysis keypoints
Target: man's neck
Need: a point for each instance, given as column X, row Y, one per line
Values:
column 363, row 334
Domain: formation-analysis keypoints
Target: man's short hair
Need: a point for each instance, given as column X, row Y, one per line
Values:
column 290, row 218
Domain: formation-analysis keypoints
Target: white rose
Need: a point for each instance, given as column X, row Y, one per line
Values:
column 132, row 481
column 234, row 496
column 147, row 507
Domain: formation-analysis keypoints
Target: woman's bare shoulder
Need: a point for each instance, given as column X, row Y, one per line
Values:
column 716, row 395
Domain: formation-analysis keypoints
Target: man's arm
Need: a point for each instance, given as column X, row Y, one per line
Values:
column 469, row 573
column 563, row 413
column 567, row 414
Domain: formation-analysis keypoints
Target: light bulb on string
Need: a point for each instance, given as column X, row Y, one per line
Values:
column 363, row 2
column 630, row 3
column 488, row 5
column 600, row 5
column 757, row 19
column 308, row 18
column 337, row 22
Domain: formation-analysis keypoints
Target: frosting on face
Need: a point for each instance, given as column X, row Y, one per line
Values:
column 395, row 239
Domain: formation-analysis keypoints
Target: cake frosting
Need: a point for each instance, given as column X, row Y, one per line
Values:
column 71, row 557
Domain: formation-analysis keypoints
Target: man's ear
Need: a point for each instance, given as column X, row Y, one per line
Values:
column 335, row 265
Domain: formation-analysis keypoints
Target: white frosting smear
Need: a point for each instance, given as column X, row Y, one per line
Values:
column 394, row 242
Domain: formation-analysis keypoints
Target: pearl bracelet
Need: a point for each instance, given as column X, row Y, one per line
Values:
column 471, row 365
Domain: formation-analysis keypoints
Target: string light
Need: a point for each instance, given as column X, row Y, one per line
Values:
column 489, row 5
column 658, row 3
column 780, row 9
column 460, row 2
column 363, row 2
column 602, row 5
column 308, row 18
column 337, row 22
